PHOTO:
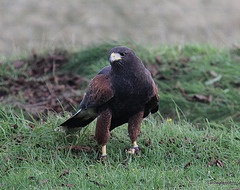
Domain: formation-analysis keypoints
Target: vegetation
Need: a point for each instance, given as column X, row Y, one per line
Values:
column 202, row 81
column 192, row 143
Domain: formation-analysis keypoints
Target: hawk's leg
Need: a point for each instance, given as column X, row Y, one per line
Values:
column 102, row 130
column 134, row 124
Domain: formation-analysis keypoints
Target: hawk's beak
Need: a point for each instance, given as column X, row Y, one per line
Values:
column 115, row 57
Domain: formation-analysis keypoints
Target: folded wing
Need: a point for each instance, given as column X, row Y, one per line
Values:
column 153, row 103
column 99, row 92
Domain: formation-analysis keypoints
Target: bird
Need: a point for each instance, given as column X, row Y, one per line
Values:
column 123, row 92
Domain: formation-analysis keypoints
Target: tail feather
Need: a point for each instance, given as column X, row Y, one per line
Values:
column 80, row 119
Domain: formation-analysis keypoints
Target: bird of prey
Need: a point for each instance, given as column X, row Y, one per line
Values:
column 123, row 92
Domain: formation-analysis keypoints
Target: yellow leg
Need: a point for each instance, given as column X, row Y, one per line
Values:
column 104, row 150
column 134, row 143
column 135, row 148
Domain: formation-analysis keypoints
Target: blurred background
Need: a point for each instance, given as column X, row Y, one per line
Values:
column 27, row 24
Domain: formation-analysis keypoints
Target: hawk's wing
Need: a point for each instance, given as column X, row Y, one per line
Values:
column 153, row 103
column 99, row 92
column 155, row 100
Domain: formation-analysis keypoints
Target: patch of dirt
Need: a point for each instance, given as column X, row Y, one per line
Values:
column 43, row 87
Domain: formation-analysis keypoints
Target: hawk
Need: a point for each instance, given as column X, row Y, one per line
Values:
column 123, row 92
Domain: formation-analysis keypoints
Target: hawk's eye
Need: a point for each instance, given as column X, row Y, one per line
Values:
column 122, row 54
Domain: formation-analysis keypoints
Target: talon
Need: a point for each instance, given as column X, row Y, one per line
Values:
column 134, row 150
column 131, row 151
column 137, row 151
column 102, row 158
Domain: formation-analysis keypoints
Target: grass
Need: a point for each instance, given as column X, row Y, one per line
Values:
column 174, row 154
column 189, row 68
column 198, row 148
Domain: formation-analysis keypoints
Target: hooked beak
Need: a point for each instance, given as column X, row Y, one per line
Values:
column 115, row 57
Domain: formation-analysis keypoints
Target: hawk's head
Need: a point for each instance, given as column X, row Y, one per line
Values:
column 121, row 56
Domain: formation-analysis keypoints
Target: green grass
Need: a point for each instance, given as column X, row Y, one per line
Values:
column 31, row 158
column 198, row 148
column 189, row 68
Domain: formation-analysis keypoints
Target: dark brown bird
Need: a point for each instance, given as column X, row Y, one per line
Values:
column 121, row 93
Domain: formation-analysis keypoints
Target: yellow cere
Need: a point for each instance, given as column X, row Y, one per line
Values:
column 115, row 56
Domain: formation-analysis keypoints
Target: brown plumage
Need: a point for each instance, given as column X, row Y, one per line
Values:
column 121, row 93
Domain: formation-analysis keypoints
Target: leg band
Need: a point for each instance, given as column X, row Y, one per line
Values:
column 135, row 146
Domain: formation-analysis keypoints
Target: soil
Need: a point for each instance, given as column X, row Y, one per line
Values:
column 43, row 87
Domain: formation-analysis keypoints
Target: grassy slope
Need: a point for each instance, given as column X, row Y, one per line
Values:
column 198, row 70
column 193, row 76
column 173, row 153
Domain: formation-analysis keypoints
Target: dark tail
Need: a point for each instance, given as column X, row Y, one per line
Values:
column 79, row 119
